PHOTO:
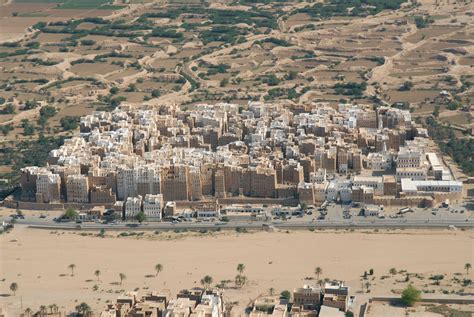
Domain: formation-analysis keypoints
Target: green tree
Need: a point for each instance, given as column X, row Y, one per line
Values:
column 206, row 281
column 285, row 294
column 97, row 273
column 467, row 267
column 122, row 276
column 70, row 214
column 140, row 217
column 83, row 309
column 393, row 271
column 72, row 267
column 271, row 291
column 5, row 129
column 155, row 93
column 158, row 268
column 69, row 122
column 14, row 288
column 8, row 109
column 411, row 295
column 28, row 128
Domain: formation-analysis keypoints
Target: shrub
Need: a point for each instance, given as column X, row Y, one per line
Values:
column 411, row 295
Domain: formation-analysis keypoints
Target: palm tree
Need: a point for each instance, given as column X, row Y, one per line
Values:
column 97, row 273
column 72, row 267
column 240, row 268
column 54, row 308
column 271, row 291
column 467, row 267
column 240, row 280
column 122, row 277
column 158, row 268
column 206, row 281
column 42, row 310
column 13, row 288
column 318, row 271
column 28, row 312
column 393, row 271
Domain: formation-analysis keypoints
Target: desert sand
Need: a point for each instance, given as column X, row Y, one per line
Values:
column 38, row 261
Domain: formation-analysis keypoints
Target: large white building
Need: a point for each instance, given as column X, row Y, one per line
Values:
column 152, row 206
column 133, row 205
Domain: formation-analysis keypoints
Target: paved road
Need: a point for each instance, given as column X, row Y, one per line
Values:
column 233, row 225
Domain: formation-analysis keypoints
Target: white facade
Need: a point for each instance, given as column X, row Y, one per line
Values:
column 207, row 213
column 379, row 161
column 152, row 206
column 411, row 173
column 126, row 186
column 409, row 158
column 374, row 182
column 411, row 186
column 133, row 206
column 319, row 176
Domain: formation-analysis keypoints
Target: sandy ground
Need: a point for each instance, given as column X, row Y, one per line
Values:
column 38, row 261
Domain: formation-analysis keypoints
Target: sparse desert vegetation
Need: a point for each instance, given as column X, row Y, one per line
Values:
column 411, row 54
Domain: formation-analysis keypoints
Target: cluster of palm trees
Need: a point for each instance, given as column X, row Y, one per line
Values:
column 43, row 310
column 84, row 310
column 240, row 279
column 97, row 273
column 206, row 281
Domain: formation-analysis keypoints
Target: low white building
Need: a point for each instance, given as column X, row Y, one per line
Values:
column 374, row 182
column 327, row 311
column 379, row 161
column 207, row 214
column 413, row 187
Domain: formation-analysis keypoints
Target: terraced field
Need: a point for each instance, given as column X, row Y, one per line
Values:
column 415, row 55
